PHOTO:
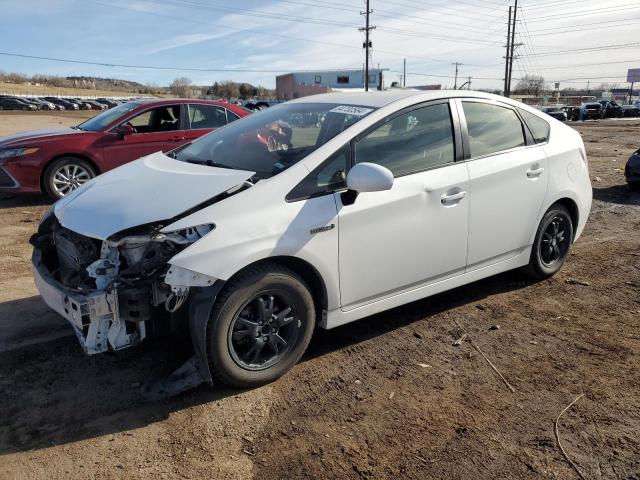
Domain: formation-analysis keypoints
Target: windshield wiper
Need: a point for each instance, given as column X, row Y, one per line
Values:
column 208, row 163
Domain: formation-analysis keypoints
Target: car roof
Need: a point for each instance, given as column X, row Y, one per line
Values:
column 378, row 99
column 172, row 101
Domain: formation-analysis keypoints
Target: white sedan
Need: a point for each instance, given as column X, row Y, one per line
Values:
column 315, row 212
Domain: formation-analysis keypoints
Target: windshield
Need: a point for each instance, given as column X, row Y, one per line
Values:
column 103, row 119
column 270, row 141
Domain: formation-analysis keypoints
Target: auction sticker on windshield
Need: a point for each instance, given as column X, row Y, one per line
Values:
column 351, row 110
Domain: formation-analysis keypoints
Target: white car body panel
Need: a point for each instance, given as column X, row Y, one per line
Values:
column 150, row 189
column 378, row 230
column 505, row 201
column 387, row 249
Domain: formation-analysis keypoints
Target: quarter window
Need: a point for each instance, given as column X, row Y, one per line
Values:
column 328, row 177
column 538, row 127
column 492, row 128
column 207, row 116
column 412, row 142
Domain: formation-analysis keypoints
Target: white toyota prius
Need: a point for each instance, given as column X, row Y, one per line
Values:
column 315, row 212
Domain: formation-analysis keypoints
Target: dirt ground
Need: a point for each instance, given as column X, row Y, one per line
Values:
column 388, row 397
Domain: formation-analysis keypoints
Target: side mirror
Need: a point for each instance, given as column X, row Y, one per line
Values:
column 124, row 130
column 369, row 177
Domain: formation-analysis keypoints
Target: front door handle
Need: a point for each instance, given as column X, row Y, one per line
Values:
column 452, row 198
column 178, row 139
column 535, row 173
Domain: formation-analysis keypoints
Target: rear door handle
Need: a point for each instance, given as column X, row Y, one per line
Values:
column 535, row 173
column 178, row 139
column 453, row 198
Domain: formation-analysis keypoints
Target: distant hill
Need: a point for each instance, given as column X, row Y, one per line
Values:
column 98, row 83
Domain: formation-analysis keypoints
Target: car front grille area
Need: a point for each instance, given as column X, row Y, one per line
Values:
column 5, row 179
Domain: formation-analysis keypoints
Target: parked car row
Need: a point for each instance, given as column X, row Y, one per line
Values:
column 8, row 102
column 594, row 111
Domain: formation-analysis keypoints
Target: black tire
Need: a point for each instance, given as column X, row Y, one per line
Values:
column 549, row 254
column 634, row 186
column 227, row 342
column 53, row 167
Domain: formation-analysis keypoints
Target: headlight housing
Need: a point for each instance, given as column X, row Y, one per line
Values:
column 17, row 152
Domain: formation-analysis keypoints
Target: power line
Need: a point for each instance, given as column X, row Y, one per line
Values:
column 588, row 49
column 142, row 67
column 583, row 13
column 600, row 25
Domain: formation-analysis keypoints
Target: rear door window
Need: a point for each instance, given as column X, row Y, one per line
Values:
column 206, row 116
column 492, row 128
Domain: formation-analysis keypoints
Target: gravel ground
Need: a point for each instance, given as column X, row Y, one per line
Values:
column 390, row 396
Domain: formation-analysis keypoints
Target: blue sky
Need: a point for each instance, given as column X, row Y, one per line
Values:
column 289, row 35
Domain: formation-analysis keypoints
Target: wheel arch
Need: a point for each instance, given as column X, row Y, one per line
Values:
column 574, row 211
column 79, row 156
column 309, row 274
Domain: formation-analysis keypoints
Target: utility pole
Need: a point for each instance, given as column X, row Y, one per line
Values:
column 513, row 39
column 366, row 45
column 506, row 58
column 455, row 83
column 404, row 74
column 469, row 83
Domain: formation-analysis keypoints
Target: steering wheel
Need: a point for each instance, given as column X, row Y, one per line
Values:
column 131, row 125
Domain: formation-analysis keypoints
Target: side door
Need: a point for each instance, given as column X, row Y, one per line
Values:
column 509, row 174
column 203, row 118
column 416, row 232
column 156, row 129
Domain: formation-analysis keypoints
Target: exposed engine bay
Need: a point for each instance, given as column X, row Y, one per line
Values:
column 111, row 290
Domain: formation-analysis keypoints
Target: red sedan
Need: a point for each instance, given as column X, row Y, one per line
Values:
column 56, row 161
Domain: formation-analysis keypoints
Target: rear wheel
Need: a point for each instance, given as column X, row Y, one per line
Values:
column 260, row 326
column 65, row 175
column 552, row 243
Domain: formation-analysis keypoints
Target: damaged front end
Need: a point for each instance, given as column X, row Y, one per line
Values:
column 112, row 291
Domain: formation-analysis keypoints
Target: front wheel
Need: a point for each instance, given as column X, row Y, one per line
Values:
column 65, row 175
column 552, row 242
column 260, row 326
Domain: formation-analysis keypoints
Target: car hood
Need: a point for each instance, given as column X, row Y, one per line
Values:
column 151, row 189
column 34, row 135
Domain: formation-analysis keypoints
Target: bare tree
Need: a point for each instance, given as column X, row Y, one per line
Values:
column 228, row 90
column 181, row 87
column 531, row 85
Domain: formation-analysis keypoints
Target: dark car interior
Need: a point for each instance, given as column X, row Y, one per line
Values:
column 160, row 119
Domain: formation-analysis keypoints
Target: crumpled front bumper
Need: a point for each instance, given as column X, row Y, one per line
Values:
column 94, row 316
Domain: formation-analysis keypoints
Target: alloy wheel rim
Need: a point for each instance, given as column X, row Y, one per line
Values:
column 264, row 330
column 554, row 242
column 69, row 177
